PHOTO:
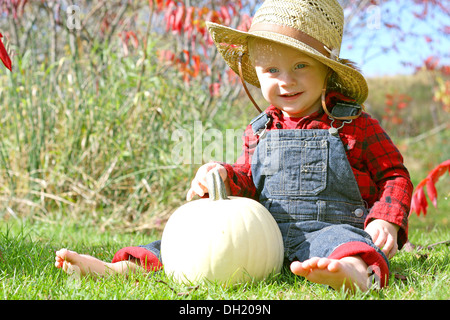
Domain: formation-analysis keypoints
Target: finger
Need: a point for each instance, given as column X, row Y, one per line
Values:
column 193, row 191
column 373, row 234
column 223, row 173
column 390, row 247
column 221, row 169
column 199, row 187
column 381, row 239
column 190, row 195
column 391, row 253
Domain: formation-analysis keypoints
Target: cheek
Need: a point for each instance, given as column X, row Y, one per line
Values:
column 323, row 74
column 267, row 85
column 268, row 90
column 265, row 91
column 317, row 80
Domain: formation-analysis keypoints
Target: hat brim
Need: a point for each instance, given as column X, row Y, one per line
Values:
column 231, row 43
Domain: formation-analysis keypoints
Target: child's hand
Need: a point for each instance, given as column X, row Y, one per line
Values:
column 384, row 236
column 199, row 186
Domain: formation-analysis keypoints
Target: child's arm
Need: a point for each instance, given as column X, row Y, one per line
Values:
column 384, row 162
column 384, row 236
column 237, row 177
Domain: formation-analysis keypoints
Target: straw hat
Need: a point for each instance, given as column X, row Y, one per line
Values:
column 314, row 27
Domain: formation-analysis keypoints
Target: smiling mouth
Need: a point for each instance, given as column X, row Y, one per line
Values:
column 291, row 95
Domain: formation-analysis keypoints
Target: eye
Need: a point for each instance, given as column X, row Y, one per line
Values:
column 272, row 70
column 300, row 66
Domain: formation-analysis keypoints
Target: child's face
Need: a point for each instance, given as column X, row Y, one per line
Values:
column 290, row 80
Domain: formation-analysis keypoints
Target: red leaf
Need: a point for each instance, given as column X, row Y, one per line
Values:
column 196, row 59
column 419, row 202
column 422, row 200
column 431, row 62
column 4, row 55
column 402, row 105
column 432, row 192
column 134, row 39
column 225, row 15
column 169, row 15
column 445, row 70
column 179, row 15
column 188, row 21
column 414, row 205
column 214, row 89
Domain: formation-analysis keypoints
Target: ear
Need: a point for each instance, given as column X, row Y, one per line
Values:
column 330, row 79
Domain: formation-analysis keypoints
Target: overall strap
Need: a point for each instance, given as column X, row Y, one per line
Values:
column 346, row 110
column 260, row 123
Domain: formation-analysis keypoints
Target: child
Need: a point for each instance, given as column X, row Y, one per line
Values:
column 328, row 173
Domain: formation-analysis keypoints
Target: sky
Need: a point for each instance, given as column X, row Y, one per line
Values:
column 365, row 50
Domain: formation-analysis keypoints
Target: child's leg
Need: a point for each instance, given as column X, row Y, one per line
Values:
column 80, row 264
column 340, row 256
column 148, row 255
column 126, row 260
column 351, row 265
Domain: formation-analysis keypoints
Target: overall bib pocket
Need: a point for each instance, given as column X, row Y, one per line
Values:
column 296, row 167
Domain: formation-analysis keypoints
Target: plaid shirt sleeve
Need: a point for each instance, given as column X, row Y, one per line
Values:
column 240, row 173
column 384, row 163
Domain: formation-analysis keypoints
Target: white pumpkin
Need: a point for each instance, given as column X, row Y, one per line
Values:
column 223, row 239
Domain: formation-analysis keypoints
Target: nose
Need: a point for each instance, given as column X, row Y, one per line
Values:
column 286, row 79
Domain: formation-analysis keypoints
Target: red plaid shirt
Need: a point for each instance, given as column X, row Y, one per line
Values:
column 377, row 164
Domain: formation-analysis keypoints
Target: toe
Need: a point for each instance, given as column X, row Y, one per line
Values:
column 65, row 266
column 61, row 253
column 334, row 266
column 323, row 263
column 297, row 268
column 311, row 263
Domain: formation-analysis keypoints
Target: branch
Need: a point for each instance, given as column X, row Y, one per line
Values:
column 427, row 134
column 146, row 36
column 116, row 21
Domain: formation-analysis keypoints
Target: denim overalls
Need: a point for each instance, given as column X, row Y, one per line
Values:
column 304, row 179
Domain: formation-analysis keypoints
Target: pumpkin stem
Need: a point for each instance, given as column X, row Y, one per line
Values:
column 216, row 186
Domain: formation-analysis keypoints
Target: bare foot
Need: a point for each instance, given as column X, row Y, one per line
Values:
column 349, row 273
column 80, row 265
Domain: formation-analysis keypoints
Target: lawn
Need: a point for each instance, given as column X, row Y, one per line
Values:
column 27, row 271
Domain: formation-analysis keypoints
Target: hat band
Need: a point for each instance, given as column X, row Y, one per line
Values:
column 293, row 33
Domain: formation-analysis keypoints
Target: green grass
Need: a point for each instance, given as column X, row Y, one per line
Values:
column 27, row 270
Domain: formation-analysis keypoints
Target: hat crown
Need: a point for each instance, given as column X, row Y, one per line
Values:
column 320, row 19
